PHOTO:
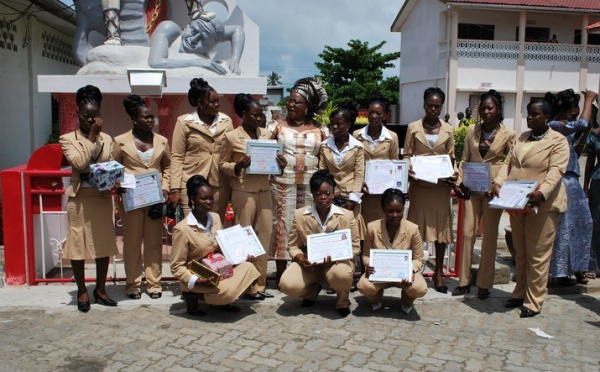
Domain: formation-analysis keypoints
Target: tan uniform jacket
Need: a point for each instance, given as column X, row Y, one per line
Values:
column 383, row 150
column 546, row 162
column 349, row 174
column 233, row 149
column 125, row 152
column 81, row 152
column 306, row 224
column 196, row 151
column 407, row 238
column 503, row 142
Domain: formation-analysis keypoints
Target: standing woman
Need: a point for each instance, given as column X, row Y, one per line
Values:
column 251, row 195
column 91, row 231
column 301, row 136
column 430, row 203
column 343, row 156
column 142, row 151
column 571, row 253
column 197, row 139
column 194, row 239
column 591, row 186
column 540, row 154
column 378, row 143
column 486, row 142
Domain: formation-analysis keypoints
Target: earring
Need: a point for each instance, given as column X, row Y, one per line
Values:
column 306, row 112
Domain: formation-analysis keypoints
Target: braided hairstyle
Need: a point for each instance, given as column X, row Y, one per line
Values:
column 88, row 94
column 497, row 98
column 320, row 177
column 562, row 102
column 133, row 105
column 199, row 89
column 242, row 102
column 193, row 184
column 391, row 195
column 348, row 110
column 431, row 91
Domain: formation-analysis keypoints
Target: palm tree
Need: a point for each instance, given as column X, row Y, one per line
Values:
column 273, row 79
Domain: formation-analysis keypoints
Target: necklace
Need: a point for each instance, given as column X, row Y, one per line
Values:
column 431, row 127
column 491, row 134
column 299, row 123
column 144, row 137
column 533, row 137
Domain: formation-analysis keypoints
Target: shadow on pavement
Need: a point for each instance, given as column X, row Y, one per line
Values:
column 213, row 313
column 323, row 307
column 391, row 309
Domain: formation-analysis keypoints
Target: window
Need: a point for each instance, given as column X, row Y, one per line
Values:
column 475, row 32
column 593, row 39
column 535, row 34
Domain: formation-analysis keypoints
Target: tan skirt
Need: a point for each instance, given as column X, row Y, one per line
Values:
column 91, row 230
column 430, row 209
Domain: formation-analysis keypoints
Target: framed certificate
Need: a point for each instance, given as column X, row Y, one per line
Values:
column 147, row 191
column 477, row 176
column 238, row 242
column 263, row 156
column 513, row 195
column 430, row 168
column 391, row 265
column 337, row 244
column 381, row 175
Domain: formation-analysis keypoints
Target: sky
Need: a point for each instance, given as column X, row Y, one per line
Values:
column 293, row 33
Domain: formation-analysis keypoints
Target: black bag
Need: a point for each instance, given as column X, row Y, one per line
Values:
column 157, row 211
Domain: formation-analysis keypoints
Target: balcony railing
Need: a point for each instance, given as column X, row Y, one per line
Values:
column 509, row 50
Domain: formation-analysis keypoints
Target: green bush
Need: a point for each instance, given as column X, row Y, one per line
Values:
column 459, row 141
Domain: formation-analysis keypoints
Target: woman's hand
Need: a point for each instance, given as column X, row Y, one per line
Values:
column 280, row 159
column 535, row 198
column 242, row 164
column 165, row 195
column 365, row 188
column 304, row 262
column 251, row 259
column 327, row 262
column 408, row 283
column 411, row 175
column 369, row 270
column 350, row 205
column 95, row 130
column 496, row 189
column 458, row 191
column 202, row 280
column 175, row 198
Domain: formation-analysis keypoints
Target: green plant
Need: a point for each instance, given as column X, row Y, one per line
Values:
column 459, row 141
column 324, row 117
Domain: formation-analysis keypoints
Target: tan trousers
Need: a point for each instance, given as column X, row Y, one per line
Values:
column 374, row 291
column 297, row 282
column 533, row 238
column 138, row 228
column 222, row 197
column 475, row 208
column 256, row 209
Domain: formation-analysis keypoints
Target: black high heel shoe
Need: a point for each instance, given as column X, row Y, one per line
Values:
column 104, row 301
column 483, row 293
column 528, row 313
column 443, row 288
column 83, row 306
column 459, row 291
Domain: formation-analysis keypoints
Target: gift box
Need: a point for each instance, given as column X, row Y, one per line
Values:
column 219, row 263
column 103, row 176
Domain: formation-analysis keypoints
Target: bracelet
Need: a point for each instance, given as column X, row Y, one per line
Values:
column 174, row 191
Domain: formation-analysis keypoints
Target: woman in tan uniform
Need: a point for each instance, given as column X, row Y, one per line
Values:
column 251, row 194
column 393, row 232
column 378, row 143
column 540, row 154
column 486, row 142
column 197, row 138
column 430, row 203
column 142, row 151
column 302, row 277
column 194, row 239
column 91, row 231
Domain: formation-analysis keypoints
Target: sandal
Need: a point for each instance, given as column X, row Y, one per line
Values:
column 155, row 295
column 580, row 278
column 135, row 295
column 590, row 275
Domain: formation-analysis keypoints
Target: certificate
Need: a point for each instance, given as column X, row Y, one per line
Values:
column 263, row 156
column 336, row 244
column 384, row 174
column 513, row 195
column 430, row 168
column 391, row 265
column 477, row 176
column 147, row 191
column 238, row 242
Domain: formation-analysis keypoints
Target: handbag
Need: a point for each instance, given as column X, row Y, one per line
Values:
column 157, row 211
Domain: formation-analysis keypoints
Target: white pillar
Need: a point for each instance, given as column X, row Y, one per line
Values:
column 520, row 79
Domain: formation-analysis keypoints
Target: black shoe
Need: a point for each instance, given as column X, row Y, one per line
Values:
column 265, row 294
column 135, row 295
column 344, row 311
column 155, row 295
column 459, row 291
column 254, row 297
column 83, row 306
column 104, row 301
column 511, row 303
column 483, row 293
column 528, row 313
column 441, row 288
column 229, row 308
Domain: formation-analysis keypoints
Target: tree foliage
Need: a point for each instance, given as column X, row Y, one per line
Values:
column 273, row 79
column 357, row 72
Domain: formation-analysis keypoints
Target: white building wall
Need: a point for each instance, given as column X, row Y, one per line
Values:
column 479, row 74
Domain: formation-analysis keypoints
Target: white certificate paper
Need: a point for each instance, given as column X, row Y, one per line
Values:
column 337, row 244
column 477, row 176
column 384, row 174
column 513, row 195
column 391, row 265
column 147, row 192
column 263, row 156
column 430, row 168
column 238, row 242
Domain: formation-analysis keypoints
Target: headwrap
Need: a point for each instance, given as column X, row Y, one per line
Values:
column 311, row 89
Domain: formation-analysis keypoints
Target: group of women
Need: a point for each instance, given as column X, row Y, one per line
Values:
column 320, row 189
